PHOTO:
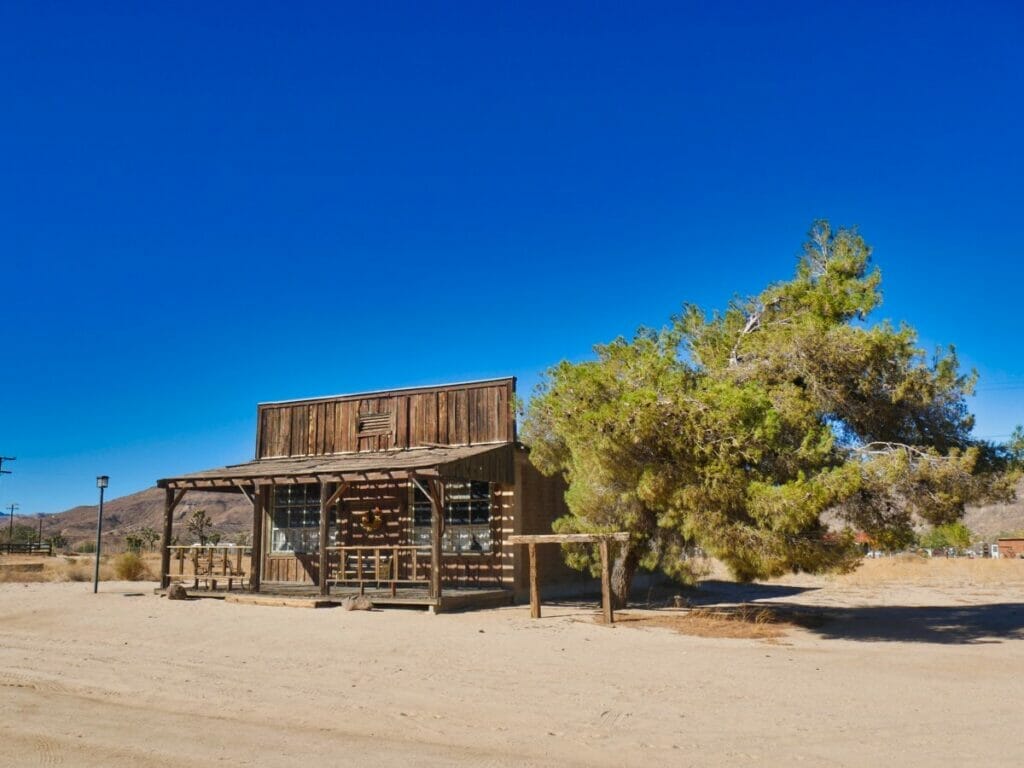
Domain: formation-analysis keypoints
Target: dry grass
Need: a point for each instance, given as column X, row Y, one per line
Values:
column 131, row 567
column 27, row 569
column 935, row 571
column 747, row 622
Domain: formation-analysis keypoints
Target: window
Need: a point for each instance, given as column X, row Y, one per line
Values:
column 296, row 518
column 467, row 517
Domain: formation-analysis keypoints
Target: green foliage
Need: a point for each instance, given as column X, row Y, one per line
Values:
column 199, row 525
column 737, row 431
column 143, row 539
column 149, row 536
column 86, row 548
column 57, row 541
column 955, row 535
column 1015, row 448
column 21, row 534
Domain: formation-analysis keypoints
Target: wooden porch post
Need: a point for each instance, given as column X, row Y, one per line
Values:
column 165, row 551
column 436, row 520
column 324, row 496
column 171, row 500
column 326, row 502
column 259, row 497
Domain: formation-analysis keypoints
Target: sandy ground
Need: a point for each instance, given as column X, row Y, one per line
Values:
column 909, row 674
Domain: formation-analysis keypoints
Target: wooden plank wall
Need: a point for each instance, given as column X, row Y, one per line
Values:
column 467, row 414
column 541, row 502
column 392, row 500
column 389, row 498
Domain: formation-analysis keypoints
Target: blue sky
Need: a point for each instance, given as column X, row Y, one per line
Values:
column 207, row 205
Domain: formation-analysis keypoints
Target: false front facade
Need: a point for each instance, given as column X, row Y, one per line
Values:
column 407, row 494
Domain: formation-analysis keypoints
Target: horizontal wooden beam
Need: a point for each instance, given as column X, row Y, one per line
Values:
column 565, row 538
column 233, row 483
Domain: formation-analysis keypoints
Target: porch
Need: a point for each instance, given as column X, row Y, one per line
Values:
column 308, row 596
column 415, row 527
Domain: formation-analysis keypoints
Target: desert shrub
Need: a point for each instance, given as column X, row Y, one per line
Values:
column 75, row 571
column 85, row 548
column 130, row 567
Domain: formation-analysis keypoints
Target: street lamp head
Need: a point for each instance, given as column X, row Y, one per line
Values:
column 101, row 481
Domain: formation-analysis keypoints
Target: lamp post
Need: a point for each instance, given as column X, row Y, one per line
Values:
column 101, row 483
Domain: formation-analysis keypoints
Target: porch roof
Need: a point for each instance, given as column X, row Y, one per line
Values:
column 492, row 462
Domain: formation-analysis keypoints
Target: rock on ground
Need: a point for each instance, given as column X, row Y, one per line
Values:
column 357, row 603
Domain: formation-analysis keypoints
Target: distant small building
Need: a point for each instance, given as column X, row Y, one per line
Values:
column 1011, row 548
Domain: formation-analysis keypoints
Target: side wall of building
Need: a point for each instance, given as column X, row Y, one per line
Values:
column 540, row 500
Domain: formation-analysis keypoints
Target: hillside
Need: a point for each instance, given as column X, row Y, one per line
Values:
column 231, row 514
column 987, row 522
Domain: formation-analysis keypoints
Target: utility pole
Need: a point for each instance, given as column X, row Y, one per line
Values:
column 13, row 506
column 10, row 535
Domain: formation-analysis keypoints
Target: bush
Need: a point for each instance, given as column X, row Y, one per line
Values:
column 77, row 572
column 85, row 548
column 130, row 567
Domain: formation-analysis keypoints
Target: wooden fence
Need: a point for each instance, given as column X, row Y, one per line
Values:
column 35, row 548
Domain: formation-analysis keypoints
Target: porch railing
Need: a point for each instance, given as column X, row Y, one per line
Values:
column 407, row 566
column 394, row 566
column 210, row 564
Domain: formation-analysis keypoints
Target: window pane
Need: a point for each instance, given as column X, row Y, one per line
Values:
column 422, row 513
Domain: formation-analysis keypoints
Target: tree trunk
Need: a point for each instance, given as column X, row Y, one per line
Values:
column 624, row 566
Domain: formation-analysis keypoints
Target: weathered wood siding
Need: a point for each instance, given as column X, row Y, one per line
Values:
column 392, row 500
column 541, row 501
column 466, row 414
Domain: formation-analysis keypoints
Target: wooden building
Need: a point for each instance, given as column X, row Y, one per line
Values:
column 407, row 494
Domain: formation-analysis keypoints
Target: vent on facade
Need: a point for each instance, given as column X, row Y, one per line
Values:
column 374, row 424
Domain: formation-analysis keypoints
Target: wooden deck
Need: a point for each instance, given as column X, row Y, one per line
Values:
column 308, row 596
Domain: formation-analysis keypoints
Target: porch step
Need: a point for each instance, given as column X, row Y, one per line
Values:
column 287, row 602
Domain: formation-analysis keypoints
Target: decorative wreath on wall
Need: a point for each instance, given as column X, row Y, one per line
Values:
column 372, row 520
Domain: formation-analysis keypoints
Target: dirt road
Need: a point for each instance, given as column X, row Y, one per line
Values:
column 915, row 675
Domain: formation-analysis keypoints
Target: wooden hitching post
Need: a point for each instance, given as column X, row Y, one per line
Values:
column 606, row 584
column 534, row 588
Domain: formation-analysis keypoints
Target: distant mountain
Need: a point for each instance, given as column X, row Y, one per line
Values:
column 231, row 514
column 987, row 522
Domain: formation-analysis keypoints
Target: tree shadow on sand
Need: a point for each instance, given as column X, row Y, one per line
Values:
column 943, row 624
column 949, row 625
column 713, row 592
